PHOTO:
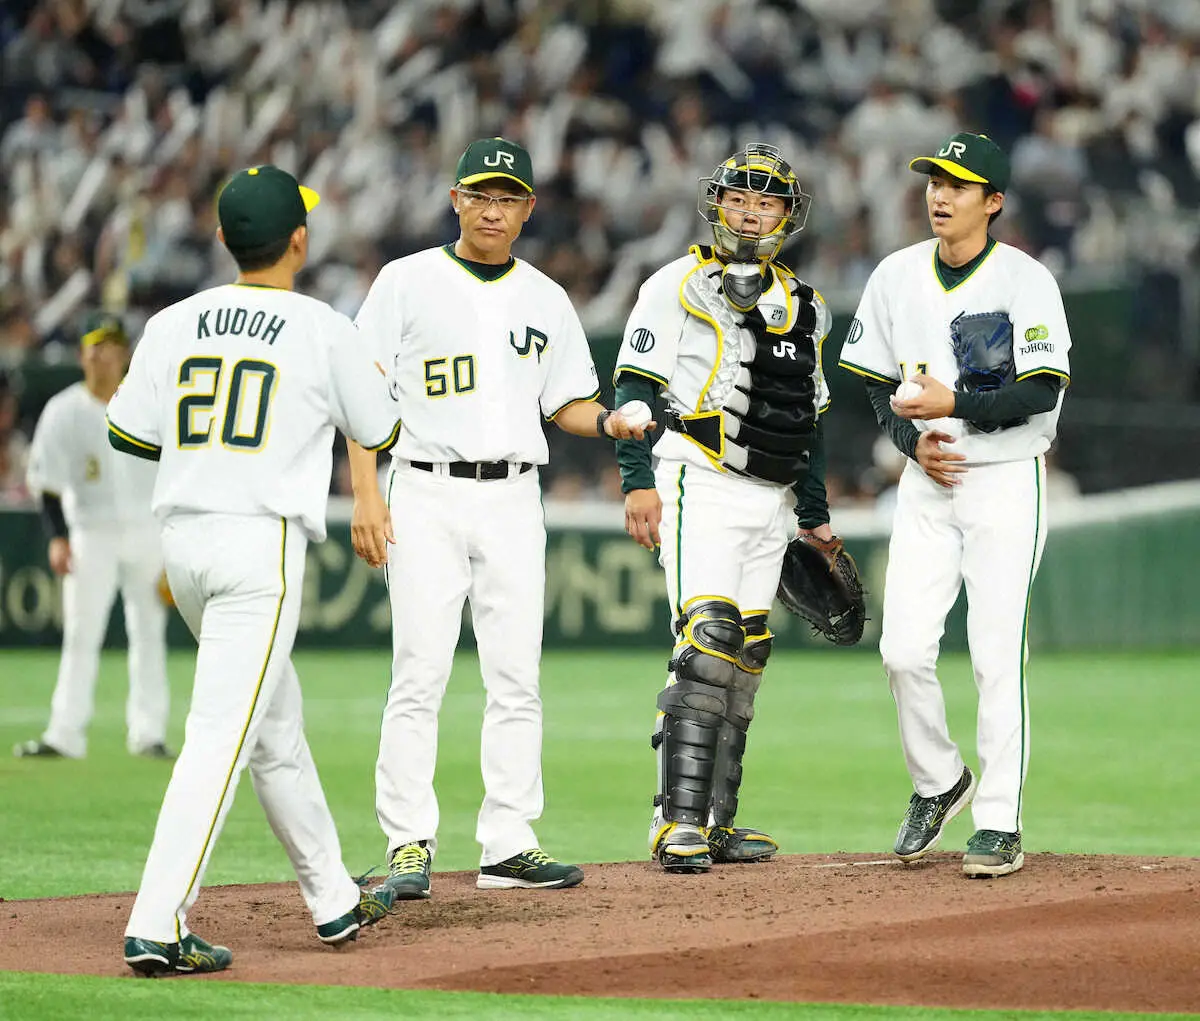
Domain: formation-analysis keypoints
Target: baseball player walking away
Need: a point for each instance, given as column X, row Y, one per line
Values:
column 103, row 538
column 979, row 328
column 236, row 392
column 482, row 346
column 733, row 339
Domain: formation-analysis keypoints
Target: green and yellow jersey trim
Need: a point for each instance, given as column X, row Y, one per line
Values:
column 574, row 400
column 1046, row 370
column 720, row 335
column 237, row 754
column 501, row 271
column 971, row 269
column 858, row 370
column 636, row 370
column 390, row 440
column 127, row 443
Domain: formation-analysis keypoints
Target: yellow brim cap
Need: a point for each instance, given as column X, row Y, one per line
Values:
column 924, row 164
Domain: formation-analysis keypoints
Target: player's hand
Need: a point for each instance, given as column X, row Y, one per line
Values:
column 936, row 400
column 942, row 466
column 615, row 427
column 60, row 556
column 371, row 527
column 643, row 514
column 823, row 532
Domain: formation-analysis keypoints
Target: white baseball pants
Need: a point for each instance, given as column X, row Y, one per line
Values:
column 483, row 541
column 105, row 560
column 988, row 534
column 237, row 581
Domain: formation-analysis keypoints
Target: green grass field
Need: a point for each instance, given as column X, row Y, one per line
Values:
column 1113, row 771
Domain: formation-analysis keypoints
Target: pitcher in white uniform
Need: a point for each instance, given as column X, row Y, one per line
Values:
column 103, row 539
column 236, row 391
column 979, row 327
column 483, row 347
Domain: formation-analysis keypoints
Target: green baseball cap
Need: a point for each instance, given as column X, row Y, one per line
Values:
column 969, row 158
column 262, row 204
column 98, row 327
column 487, row 158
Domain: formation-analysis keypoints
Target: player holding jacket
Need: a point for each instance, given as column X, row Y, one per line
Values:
column 733, row 341
column 980, row 327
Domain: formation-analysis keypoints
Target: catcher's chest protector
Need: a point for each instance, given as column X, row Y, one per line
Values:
column 764, row 390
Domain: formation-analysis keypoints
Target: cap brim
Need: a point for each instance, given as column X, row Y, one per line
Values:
column 94, row 337
column 926, row 164
column 310, row 197
column 476, row 178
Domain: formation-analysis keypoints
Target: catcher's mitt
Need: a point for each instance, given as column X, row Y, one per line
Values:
column 820, row 583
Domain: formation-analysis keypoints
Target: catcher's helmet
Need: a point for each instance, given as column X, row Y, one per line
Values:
column 757, row 168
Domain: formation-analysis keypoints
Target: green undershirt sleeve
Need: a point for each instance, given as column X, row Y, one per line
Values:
column 900, row 430
column 633, row 456
column 1033, row 395
column 812, row 504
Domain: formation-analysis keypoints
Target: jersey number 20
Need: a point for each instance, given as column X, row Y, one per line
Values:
column 247, row 402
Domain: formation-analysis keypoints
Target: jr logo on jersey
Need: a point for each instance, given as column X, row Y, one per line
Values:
column 784, row 349
column 534, row 340
column 955, row 149
column 501, row 156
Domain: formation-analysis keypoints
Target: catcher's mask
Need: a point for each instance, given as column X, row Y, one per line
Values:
column 757, row 168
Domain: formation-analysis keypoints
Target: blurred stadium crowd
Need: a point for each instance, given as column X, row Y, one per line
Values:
column 119, row 119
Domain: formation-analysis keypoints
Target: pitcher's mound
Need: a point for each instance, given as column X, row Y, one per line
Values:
column 1099, row 933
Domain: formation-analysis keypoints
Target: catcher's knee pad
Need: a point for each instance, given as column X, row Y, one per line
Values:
column 711, row 637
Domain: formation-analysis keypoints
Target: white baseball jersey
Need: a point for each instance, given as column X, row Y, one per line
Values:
column 671, row 339
column 902, row 327
column 474, row 360
column 71, row 458
column 239, row 388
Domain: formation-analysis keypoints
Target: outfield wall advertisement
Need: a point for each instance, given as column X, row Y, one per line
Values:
column 1115, row 574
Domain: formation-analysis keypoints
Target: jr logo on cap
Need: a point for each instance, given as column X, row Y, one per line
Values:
column 958, row 149
column 500, row 156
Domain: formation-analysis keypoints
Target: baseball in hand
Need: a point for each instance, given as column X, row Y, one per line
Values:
column 635, row 413
column 907, row 390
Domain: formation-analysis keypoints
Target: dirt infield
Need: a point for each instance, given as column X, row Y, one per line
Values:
column 1066, row 932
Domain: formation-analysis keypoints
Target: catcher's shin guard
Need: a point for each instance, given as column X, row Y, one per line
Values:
column 727, row 843
column 693, row 708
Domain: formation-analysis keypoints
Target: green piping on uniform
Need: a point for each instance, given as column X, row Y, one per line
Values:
column 959, row 275
column 858, row 370
column 638, row 371
column 120, row 440
column 679, row 544
column 386, row 584
column 574, row 400
column 489, row 275
column 1037, row 526
column 250, row 716
column 390, row 440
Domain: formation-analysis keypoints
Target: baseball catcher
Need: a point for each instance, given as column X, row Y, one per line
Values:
column 731, row 342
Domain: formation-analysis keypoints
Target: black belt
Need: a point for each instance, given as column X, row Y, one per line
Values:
column 481, row 471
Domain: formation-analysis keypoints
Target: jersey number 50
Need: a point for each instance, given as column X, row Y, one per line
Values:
column 247, row 402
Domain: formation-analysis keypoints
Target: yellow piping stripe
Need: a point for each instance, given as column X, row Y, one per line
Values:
column 459, row 262
column 574, row 400
column 858, row 370
column 1046, row 372
column 390, row 439
column 122, row 434
column 638, row 372
column 937, row 276
column 716, row 329
column 250, row 716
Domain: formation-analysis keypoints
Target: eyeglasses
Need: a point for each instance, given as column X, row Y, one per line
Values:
column 478, row 199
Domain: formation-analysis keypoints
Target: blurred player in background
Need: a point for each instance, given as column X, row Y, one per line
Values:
column 236, row 392
column 484, row 348
column 103, row 539
column 733, row 340
column 979, row 327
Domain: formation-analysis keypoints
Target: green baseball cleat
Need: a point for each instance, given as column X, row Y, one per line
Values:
column 190, row 956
